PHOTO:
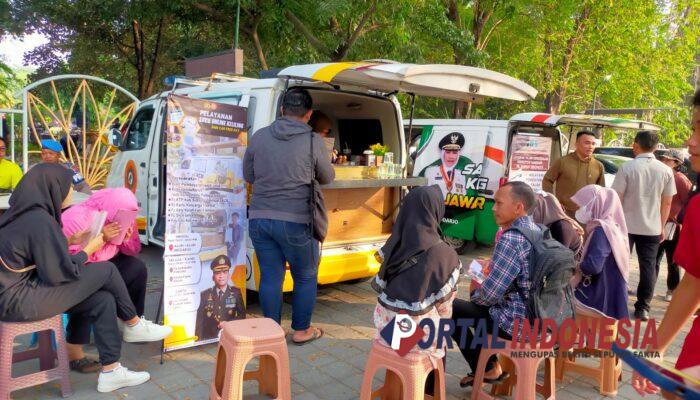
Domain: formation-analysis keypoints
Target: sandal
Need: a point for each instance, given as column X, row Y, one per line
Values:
column 318, row 333
column 85, row 365
column 500, row 379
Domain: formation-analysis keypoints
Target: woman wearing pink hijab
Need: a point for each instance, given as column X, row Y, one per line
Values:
column 604, row 266
column 76, row 221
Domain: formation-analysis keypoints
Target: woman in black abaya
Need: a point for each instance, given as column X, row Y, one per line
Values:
column 40, row 279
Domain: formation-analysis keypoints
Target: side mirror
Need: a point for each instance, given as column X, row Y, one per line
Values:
column 115, row 137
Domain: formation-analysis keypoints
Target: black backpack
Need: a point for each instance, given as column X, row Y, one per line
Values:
column 551, row 267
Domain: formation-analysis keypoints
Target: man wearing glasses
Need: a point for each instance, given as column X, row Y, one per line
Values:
column 10, row 173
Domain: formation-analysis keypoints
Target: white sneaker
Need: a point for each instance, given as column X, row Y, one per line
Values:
column 145, row 331
column 669, row 295
column 120, row 377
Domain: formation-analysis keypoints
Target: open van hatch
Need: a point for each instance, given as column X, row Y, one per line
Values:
column 453, row 82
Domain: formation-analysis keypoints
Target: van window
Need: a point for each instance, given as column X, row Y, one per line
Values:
column 252, row 103
column 359, row 134
column 140, row 128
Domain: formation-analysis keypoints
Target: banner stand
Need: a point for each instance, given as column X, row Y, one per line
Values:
column 206, row 220
column 159, row 320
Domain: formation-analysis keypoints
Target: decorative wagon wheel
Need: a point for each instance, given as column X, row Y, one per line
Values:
column 86, row 143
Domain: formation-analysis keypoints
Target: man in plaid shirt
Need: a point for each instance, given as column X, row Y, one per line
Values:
column 497, row 300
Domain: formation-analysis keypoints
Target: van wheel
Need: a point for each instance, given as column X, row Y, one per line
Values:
column 461, row 246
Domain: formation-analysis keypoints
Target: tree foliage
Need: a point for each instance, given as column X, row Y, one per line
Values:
column 563, row 48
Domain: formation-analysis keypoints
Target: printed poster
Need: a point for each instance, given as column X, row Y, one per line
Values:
column 206, row 221
column 452, row 157
column 530, row 159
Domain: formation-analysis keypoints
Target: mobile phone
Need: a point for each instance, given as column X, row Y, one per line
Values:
column 667, row 378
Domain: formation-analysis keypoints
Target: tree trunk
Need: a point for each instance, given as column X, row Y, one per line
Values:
column 554, row 99
column 155, row 59
column 256, row 42
column 138, row 52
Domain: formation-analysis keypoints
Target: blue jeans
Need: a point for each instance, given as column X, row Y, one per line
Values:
column 277, row 242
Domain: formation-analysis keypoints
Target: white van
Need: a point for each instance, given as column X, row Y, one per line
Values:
column 465, row 227
column 360, row 100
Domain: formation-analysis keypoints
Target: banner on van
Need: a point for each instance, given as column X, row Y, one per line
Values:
column 205, row 266
column 452, row 157
column 529, row 159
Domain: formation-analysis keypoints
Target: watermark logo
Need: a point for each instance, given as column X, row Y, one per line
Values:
column 402, row 334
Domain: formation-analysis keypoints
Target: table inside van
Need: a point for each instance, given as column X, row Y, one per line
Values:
column 361, row 209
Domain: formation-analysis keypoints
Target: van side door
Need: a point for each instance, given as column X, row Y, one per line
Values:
column 130, row 165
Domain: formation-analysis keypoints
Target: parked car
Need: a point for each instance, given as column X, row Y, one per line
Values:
column 624, row 151
column 611, row 164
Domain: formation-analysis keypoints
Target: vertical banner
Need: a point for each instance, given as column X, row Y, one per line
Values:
column 206, row 224
column 529, row 159
column 452, row 157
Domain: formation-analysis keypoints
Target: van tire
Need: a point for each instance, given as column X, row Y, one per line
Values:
column 461, row 246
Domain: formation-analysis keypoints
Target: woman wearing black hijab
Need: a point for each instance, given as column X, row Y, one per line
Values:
column 419, row 272
column 40, row 279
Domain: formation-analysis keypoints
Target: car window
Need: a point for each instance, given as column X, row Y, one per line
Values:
column 608, row 166
column 139, row 129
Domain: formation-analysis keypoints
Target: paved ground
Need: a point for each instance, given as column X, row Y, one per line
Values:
column 330, row 368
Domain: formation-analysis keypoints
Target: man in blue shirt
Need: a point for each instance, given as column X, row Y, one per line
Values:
column 51, row 153
column 497, row 300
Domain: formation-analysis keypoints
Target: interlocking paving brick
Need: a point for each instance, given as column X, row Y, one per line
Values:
column 334, row 390
column 329, row 368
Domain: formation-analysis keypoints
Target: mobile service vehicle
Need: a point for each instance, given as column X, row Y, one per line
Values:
column 360, row 99
column 494, row 152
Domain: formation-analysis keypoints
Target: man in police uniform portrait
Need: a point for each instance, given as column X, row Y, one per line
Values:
column 220, row 303
column 447, row 171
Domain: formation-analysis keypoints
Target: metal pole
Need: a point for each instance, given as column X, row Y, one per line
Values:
column 25, row 129
column 594, row 100
column 235, row 35
column 12, row 135
column 595, row 97
column 238, row 17
column 410, row 126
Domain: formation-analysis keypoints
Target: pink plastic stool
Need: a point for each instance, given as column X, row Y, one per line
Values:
column 523, row 372
column 405, row 376
column 44, row 352
column 241, row 341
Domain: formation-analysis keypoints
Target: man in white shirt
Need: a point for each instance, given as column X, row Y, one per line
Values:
column 646, row 188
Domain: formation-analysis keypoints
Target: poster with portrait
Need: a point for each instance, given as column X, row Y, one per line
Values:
column 452, row 157
column 530, row 159
column 205, row 262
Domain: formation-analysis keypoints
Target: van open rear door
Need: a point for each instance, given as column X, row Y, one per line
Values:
column 452, row 82
column 538, row 139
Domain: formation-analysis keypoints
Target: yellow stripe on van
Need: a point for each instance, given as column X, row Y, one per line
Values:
column 327, row 73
